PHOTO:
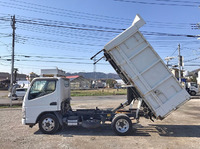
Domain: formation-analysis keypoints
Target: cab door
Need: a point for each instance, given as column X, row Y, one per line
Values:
column 42, row 97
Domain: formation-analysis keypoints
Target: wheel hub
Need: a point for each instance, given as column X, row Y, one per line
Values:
column 122, row 125
column 48, row 124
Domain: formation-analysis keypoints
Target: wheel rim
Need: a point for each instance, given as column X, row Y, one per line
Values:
column 48, row 124
column 122, row 125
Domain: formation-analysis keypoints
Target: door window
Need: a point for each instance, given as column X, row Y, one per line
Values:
column 41, row 88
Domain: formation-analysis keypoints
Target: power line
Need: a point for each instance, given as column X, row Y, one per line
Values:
column 65, row 34
column 58, row 57
column 89, row 27
column 39, row 56
column 101, row 30
column 174, row 52
column 155, row 3
column 58, row 46
column 58, row 23
column 44, row 10
column 53, row 61
column 169, row 34
column 190, row 2
column 57, row 41
column 39, row 20
column 159, row 25
column 72, row 11
column 61, row 26
column 192, row 59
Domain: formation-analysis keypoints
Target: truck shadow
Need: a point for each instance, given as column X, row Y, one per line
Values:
column 138, row 130
column 170, row 130
column 178, row 130
column 103, row 130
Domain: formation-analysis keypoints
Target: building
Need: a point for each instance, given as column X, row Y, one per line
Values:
column 101, row 83
column 194, row 76
column 175, row 72
column 79, row 82
column 120, row 84
column 5, row 79
column 31, row 76
column 4, row 76
column 4, row 84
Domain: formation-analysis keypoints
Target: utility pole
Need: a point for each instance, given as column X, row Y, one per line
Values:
column 94, row 71
column 13, row 56
column 179, row 62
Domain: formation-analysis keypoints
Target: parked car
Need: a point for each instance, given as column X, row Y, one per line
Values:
column 192, row 88
column 19, row 93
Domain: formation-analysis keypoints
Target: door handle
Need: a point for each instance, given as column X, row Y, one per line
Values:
column 53, row 103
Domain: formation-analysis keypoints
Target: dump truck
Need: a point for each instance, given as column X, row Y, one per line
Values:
column 149, row 81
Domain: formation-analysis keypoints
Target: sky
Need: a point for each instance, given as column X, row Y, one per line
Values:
column 65, row 34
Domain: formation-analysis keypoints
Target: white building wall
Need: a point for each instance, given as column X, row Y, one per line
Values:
column 198, row 78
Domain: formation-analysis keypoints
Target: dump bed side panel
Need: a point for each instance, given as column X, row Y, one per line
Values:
column 145, row 70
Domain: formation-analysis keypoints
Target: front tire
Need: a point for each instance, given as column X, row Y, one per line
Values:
column 49, row 124
column 192, row 93
column 121, row 124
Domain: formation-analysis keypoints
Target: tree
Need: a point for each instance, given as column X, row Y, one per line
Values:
column 111, row 83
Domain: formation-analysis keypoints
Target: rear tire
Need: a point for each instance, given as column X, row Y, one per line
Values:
column 49, row 124
column 121, row 125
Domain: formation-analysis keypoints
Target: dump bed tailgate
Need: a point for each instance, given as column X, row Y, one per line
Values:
column 139, row 65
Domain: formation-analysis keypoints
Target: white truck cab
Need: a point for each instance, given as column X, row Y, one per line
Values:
column 44, row 95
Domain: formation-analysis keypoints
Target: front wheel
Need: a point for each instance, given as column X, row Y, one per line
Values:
column 121, row 124
column 49, row 124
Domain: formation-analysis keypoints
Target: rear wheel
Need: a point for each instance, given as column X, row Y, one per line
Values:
column 121, row 124
column 49, row 124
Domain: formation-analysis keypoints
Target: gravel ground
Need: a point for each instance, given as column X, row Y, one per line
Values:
column 179, row 130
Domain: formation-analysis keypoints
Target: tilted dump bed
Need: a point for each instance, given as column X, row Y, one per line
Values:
column 139, row 65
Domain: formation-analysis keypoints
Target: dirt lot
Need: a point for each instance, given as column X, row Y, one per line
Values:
column 179, row 130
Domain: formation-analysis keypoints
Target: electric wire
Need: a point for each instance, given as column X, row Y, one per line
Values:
column 55, row 13
column 78, row 27
column 156, row 3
